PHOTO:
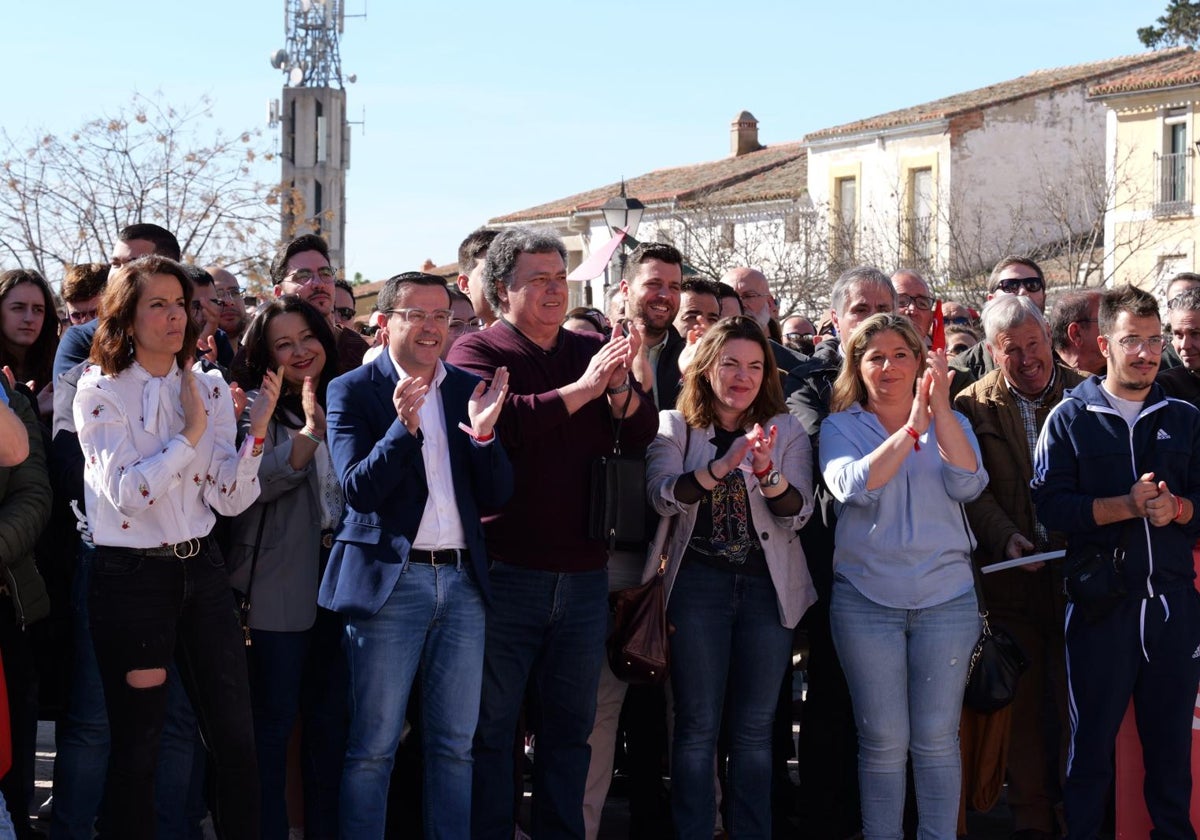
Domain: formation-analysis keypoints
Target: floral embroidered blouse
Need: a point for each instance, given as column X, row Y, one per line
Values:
column 145, row 486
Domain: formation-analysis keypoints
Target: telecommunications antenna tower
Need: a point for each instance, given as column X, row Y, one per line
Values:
column 315, row 135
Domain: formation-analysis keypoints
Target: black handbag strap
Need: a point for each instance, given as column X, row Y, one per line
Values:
column 619, row 421
column 244, row 607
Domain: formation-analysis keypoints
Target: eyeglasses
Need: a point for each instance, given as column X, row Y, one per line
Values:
column 441, row 317
column 958, row 320
column 198, row 305
column 457, row 325
column 225, row 296
column 344, row 313
column 1012, row 285
column 796, row 336
column 304, row 276
column 753, row 295
column 82, row 316
column 920, row 302
column 1132, row 344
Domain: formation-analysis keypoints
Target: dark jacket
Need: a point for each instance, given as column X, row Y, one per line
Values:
column 1182, row 383
column 24, row 511
column 383, row 481
column 1086, row 451
column 809, row 385
column 1005, row 507
column 667, row 379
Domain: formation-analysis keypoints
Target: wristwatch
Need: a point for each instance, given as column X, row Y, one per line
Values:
column 772, row 479
column 620, row 389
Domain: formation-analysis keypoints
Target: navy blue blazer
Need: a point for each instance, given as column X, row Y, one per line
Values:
column 383, row 479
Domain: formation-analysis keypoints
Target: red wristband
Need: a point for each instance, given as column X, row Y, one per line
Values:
column 763, row 474
column 484, row 438
column 1178, row 508
column 912, row 433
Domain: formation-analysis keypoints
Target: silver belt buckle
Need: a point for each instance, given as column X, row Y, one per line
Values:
column 187, row 550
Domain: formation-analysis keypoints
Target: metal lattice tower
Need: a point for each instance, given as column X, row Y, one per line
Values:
column 314, row 136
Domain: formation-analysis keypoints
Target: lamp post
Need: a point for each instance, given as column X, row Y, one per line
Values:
column 620, row 213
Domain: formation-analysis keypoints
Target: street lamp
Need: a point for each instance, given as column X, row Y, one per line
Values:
column 622, row 213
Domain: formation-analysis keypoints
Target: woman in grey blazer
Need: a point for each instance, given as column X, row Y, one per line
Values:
column 279, row 546
column 731, row 472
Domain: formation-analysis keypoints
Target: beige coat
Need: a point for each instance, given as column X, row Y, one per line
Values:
column 674, row 452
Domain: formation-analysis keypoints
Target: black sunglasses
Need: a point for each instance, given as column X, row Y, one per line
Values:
column 1011, row 286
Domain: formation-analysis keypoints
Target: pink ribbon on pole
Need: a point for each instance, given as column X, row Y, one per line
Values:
column 594, row 265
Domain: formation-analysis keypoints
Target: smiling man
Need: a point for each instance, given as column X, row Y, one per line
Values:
column 1007, row 408
column 651, row 284
column 1117, row 467
column 413, row 444
column 548, row 616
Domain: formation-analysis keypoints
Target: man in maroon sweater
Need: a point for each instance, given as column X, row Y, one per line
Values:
column 548, row 617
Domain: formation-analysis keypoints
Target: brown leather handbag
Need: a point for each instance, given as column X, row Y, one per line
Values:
column 639, row 648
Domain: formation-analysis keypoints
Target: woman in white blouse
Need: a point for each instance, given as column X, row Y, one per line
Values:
column 160, row 459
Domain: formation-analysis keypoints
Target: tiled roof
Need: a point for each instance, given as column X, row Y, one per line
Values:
column 1040, row 81
column 682, row 183
column 1182, row 68
column 789, row 180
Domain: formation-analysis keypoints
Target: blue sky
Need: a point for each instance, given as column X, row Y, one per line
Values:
column 478, row 109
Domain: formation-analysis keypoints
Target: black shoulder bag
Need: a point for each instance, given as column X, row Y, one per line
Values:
column 244, row 597
column 997, row 661
column 617, row 512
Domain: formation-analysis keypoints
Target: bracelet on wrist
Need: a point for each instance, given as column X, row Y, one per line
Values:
column 311, row 435
column 766, row 470
column 912, row 433
column 1178, row 509
column 483, row 438
column 712, row 474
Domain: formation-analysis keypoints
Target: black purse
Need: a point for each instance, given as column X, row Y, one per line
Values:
column 997, row 661
column 244, row 597
column 617, row 511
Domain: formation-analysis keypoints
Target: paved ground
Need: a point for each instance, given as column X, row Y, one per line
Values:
column 615, row 825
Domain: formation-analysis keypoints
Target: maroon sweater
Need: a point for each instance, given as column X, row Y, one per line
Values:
column 544, row 524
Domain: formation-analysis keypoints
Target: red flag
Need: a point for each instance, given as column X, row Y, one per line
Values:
column 939, row 327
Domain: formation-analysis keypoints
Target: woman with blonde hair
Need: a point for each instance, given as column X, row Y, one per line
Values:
column 732, row 470
column 901, row 463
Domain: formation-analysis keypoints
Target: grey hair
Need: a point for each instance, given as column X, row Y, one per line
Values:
column 502, row 256
column 1005, row 312
column 1186, row 301
column 867, row 275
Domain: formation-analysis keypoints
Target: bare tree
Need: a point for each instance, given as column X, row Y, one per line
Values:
column 65, row 196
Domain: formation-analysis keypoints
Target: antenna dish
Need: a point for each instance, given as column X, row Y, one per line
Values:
column 278, row 59
column 352, row 78
column 296, row 76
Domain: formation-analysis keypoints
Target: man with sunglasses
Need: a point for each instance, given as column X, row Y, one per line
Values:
column 1117, row 468
column 1012, row 276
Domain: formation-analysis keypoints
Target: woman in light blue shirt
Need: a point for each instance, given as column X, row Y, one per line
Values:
column 901, row 463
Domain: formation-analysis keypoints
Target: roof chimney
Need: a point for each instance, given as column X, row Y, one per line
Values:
column 743, row 134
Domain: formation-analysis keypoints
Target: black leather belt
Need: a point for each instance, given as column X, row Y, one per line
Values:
column 182, row 550
column 441, row 557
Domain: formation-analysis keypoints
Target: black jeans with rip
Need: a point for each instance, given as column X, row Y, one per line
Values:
column 146, row 612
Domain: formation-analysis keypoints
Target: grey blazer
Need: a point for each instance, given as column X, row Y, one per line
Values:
column 284, row 596
column 672, row 453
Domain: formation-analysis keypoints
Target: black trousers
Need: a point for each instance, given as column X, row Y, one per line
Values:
column 146, row 612
column 1152, row 657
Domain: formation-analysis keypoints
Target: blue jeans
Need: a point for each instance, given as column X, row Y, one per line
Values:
column 545, row 630
column 717, row 613
column 82, row 742
column 907, row 670
column 433, row 620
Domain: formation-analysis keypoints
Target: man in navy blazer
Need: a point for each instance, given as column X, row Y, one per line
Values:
column 412, row 440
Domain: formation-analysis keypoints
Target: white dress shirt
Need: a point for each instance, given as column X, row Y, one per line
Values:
column 441, row 526
column 145, row 486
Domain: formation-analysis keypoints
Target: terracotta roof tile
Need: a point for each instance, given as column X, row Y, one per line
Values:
column 1182, row 68
column 679, row 183
column 790, row 180
column 1040, row 81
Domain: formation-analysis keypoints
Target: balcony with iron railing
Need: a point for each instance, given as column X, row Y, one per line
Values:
column 1173, row 177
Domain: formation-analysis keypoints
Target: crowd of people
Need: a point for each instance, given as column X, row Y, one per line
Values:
column 259, row 567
